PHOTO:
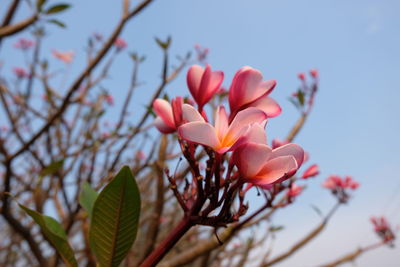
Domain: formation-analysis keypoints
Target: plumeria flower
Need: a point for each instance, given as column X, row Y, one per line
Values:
column 203, row 83
column 24, row 44
column 261, row 165
column 383, row 229
column 169, row 117
column 66, row 56
column 249, row 90
column 312, row 171
column 221, row 137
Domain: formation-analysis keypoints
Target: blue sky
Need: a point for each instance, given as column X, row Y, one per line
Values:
column 354, row 127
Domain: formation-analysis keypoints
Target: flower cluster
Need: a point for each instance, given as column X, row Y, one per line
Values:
column 241, row 131
column 340, row 187
column 383, row 229
column 24, row 44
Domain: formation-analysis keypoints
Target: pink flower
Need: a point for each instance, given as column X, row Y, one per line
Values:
column 336, row 183
column 312, row 171
column 169, row 117
column 120, row 44
column 261, row 165
column 24, row 44
column 66, row 56
column 248, row 90
column 294, row 191
column 314, row 73
column 221, row 137
column 203, row 83
column 277, row 143
column 383, row 229
column 20, row 73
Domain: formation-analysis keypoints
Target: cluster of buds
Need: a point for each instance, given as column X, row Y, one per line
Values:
column 20, row 73
column 202, row 53
column 340, row 187
column 236, row 143
column 24, row 44
column 303, row 98
column 383, row 229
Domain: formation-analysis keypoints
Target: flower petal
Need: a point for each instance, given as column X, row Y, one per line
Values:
column 221, row 122
column 250, row 158
column 256, row 134
column 242, row 119
column 200, row 133
column 163, row 109
column 268, row 105
column 193, row 79
column 190, row 114
column 275, row 170
column 290, row 150
column 162, row 127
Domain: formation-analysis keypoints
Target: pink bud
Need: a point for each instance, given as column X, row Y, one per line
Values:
column 203, row 83
column 120, row 44
column 24, row 44
column 20, row 73
column 314, row 73
column 294, row 191
column 301, row 76
column 66, row 56
column 140, row 155
column 312, row 171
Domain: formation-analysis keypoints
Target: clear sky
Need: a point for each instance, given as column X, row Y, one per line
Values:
column 353, row 129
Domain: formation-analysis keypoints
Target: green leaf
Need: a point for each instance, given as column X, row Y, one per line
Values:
column 164, row 45
column 57, row 23
column 87, row 198
column 55, row 233
column 39, row 4
column 276, row 228
column 115, row 218
column 300, row 97
column 57, row 8
column 52, row 168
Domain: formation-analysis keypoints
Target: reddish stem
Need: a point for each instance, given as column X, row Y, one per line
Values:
column 168, row 243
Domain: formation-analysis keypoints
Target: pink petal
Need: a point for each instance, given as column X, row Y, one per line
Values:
column 243, row 87
column 209, row 85
column 268, row 105
column 190, row 114
column 193, row 79
column 199, row 133
column 275, row 170
column 163, row 109
column 176, row 104
column 256, row 134
column 312, row 171
column 162, row 127
column 242, row 119
column 250, row 158
column 221, row 122
column 290, row 150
